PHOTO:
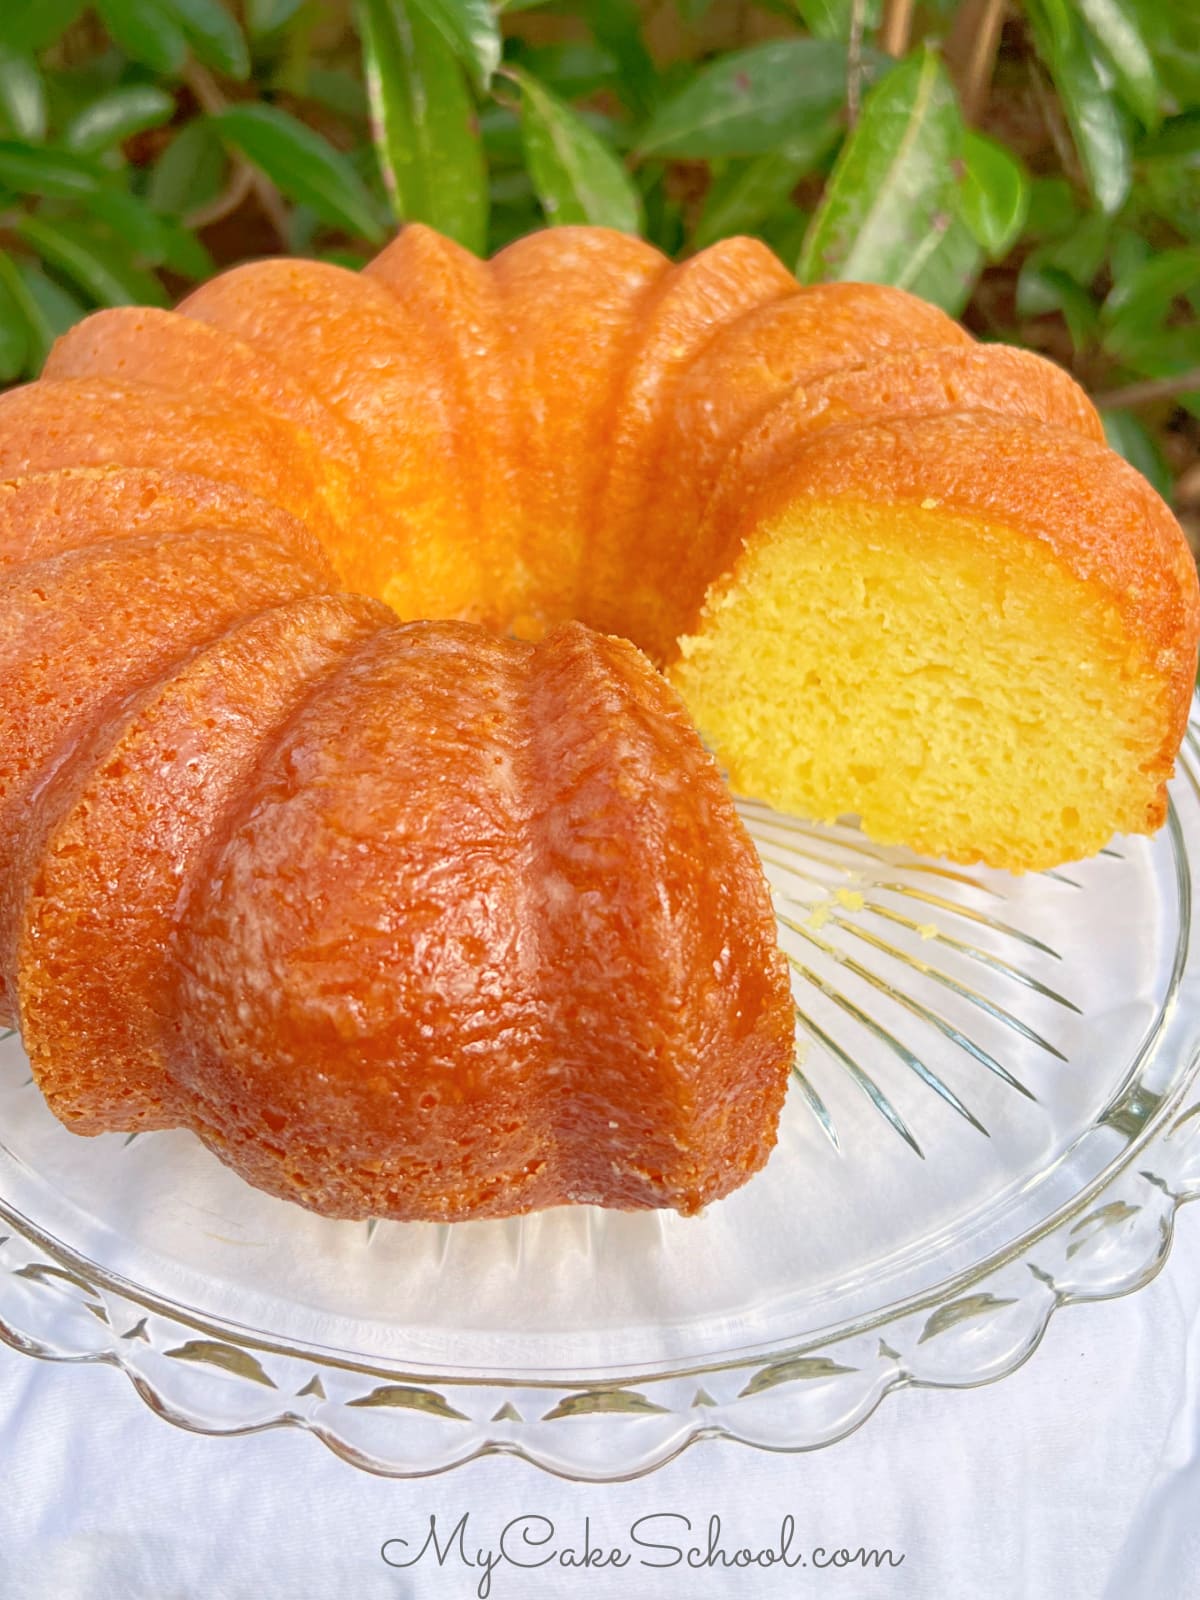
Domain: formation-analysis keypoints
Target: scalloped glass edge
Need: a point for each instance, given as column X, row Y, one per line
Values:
column 211, row 1377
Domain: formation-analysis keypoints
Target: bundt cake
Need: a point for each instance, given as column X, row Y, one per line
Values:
column 334, row 825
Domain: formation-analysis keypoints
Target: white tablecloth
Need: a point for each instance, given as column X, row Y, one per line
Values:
column 1077, row 1478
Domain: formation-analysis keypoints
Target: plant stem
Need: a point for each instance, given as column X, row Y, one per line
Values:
column 854, row 61
column 210, row 100
column 971, row 51
column 241, row 183
column 896, row 30
column 1064, row 146
column 1137, row 394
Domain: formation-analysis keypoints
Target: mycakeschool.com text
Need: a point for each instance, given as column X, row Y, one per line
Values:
column 658, row 1540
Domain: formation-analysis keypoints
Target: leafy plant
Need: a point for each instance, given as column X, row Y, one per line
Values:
column 1033, row 165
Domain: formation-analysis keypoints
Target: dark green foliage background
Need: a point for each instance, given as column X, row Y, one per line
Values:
column 1045, row 184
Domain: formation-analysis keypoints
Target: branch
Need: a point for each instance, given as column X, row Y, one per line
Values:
column 971, row 51
column 1064, row 147
column 241, row 183
column 1138, row 394
column 896, row 29
column 854, row 61
column 246, row 178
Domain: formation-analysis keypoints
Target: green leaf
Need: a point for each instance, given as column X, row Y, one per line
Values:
column 145, row 32
column 892, row 182
column 103, row 271
column 617, row 26
column 342, row 92
column 749, row 191
column 785, row 231
column 662, row 211
column 1053, row 209
column 576, row 175
column 57, row 174
column 48, row 310
column 607, row 129
column 302, row 165
column 185, row 254
column 472, row 32
column 1083, row 251
column 1042, row 288
column 112, row 118
column 994, row 197
column 1177, row 136
column 1153, row 284
column 22, row 96
column 300, row 237
column 190, row 171
column 156, row 241
column 265, row 17
column 1140, row 304
column 1129, row 251
column 571, row 69
column 507, row 223
column 424, row 125
column 188, row 255
column 352, row 260
column 946, row 265
column 1171, row 29
column 500, row 128
column 32, row 25
column 1129, row 438
column 1115, row 27
column 1171, row 190
column 512, row 189
column 830, row 19
column 1173, row 352
column 16, row 336
column 139, row 228
column 751, row 101
column 1097, row 122
column 213, row 34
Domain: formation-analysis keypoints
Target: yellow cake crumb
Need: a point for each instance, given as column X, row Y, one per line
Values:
column 922, row 655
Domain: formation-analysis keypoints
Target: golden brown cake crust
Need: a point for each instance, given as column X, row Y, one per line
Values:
column 47, row 513
column 117, row 834
column 95, row 422
column 498, row 942
column 312, row 317
column 80, row 630
column 920, row 382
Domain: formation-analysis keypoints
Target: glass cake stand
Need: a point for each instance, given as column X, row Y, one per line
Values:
column 995, row 1112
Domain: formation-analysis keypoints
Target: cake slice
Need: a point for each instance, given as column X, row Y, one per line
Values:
column 975, row 633
column 750, row 365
